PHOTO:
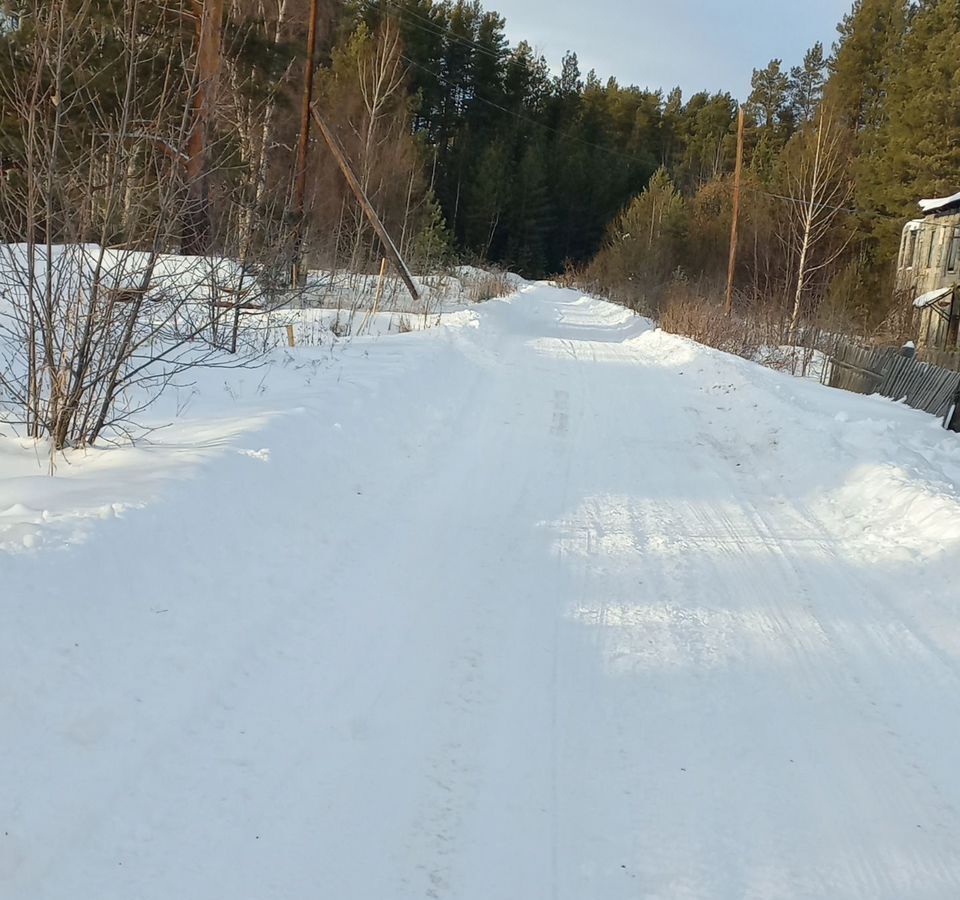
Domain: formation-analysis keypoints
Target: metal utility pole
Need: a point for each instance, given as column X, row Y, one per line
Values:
column 728, row 308
column 300, row 188
column 393, row 254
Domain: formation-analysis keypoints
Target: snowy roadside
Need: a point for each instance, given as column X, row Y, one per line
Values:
column 219, row 412
column 541, row 599
column 216, row 415
column 333, row 325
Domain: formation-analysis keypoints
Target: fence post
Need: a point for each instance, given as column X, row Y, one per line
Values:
column 952, row 419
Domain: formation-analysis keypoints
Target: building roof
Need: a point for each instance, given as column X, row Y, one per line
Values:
column 932, row 297
column 941, row 204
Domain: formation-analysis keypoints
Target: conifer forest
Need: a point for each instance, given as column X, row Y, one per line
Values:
column 133, row 122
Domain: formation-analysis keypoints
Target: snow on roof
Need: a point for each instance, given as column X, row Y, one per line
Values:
column 914, row 225
column 929, row 206
column 931, row 297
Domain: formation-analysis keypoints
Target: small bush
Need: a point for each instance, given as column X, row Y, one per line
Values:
column 489, row 286
column 759, row 332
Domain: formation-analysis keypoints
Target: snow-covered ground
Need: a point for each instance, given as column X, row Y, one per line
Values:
column 539, row 603
column 344, row 305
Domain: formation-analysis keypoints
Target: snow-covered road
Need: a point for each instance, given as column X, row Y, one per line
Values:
column 541, row 605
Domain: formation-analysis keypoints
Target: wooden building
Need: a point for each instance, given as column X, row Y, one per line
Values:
column 928, row 270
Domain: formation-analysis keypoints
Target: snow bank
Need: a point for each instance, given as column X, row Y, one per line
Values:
column 801, row 362
column 76, row 268
column 445, row 292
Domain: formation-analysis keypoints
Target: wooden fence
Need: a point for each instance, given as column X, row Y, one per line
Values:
column 886, row 371
column 945, row 359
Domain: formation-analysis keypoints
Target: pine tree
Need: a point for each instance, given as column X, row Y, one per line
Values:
column 915, row 151
column 670, row 125
column 644, row 243
column 709, row 139
column 768, row 95
column 486, row 200
column 421, row 29
column 866, row 62
column 529, row 217
column 806, row 84
column 866, row 53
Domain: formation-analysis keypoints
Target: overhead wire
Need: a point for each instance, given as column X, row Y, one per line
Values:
column 405, row 14
column 435, row 27
column 564, row 134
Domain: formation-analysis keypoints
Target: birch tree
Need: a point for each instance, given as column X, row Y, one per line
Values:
column 820, row 190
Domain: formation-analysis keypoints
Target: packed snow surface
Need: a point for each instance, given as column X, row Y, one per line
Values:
column 538, row 603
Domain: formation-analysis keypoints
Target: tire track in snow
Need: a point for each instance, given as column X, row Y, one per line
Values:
column 759, row 549
column 533, row 632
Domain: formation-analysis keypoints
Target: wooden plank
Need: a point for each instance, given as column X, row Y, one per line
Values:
column 943, row 394
column 892, row 378
column 905, row 369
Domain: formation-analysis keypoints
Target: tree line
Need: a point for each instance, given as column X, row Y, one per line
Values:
column 839, row 149
column 545, row 172
column 471, row 147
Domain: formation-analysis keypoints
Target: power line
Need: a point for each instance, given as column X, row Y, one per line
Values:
column 435, row 28
column 848, row 209
column 439, row 30
column 564, row 134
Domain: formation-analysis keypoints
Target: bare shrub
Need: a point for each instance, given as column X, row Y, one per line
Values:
column 701, row 317
column 97, row 313
column 761, row 332
column 488, row 286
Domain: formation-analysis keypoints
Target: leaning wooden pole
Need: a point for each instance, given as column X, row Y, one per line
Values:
column 732, row 267
column 303, row 147
column 393, row 254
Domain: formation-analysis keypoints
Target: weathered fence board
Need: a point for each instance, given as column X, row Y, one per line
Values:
column 883, row 370
column 857, row 369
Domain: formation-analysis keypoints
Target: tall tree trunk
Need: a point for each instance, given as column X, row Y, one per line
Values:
column 801, row 274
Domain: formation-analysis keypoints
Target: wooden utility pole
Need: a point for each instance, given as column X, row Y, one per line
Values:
column 209, row 29
column 303, row 147
column 393, row 254
column 728, row 308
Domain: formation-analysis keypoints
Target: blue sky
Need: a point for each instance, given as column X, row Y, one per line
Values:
column 698, row 44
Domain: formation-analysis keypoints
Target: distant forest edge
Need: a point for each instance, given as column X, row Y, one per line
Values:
column 474, row 149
